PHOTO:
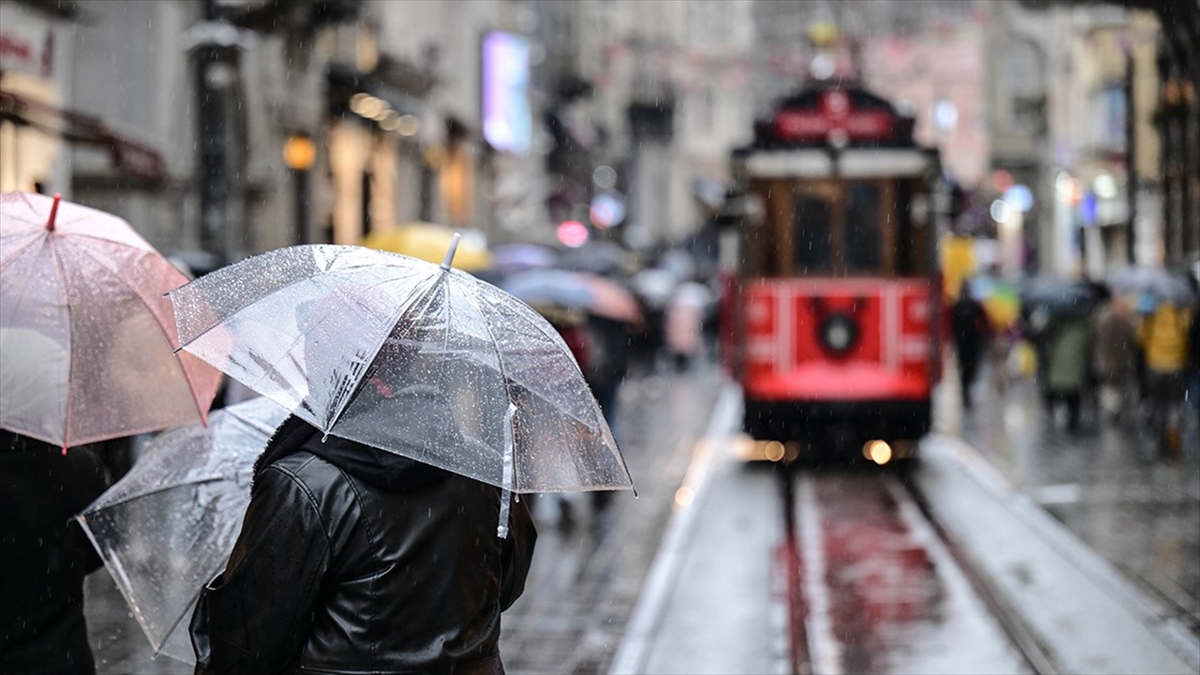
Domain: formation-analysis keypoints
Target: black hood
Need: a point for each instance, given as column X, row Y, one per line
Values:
column 379, row 468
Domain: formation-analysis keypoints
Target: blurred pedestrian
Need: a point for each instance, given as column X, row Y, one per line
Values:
column 1115, row 353
column 607, row 364
column 355, row 559
column 1067, row 338
column 1163, row 334
column 42, row 487
column 46, row 554
column 969, row 329
column 570, row 325
column 1191, row 437
column 683, row 327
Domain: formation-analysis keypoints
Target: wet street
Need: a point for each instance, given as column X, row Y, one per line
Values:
column 589, row 566
column 588, row 574
column 1106, row 483
column 897, row 600
column 660, row 584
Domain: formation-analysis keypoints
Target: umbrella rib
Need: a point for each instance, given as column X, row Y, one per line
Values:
column 185, row 615
column 417, row 297
column 33, row 237
column 200, row 410
column 150, row 493
column 62, row 276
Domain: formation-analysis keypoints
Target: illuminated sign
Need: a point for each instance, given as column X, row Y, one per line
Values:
column 507, row 118
column 833, row 117
column 26, row 42
column 607, row 209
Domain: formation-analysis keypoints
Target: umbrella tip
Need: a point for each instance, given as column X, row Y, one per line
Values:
column 450, row 252
column 53, row 212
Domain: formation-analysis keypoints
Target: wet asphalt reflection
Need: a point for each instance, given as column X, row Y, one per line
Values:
column 898, row 600
column 1109, row 482
column 882, row 592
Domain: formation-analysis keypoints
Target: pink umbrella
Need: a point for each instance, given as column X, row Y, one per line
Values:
column 87, row 336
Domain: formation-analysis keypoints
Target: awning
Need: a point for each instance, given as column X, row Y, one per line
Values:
column 132, row 158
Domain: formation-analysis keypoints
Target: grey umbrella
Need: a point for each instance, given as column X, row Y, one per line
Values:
column 167, row 527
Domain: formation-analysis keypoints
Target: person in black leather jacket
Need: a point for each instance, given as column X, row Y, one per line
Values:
column 354, row 559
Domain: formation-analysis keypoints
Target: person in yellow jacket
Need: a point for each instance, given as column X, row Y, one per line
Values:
column 1163, row 334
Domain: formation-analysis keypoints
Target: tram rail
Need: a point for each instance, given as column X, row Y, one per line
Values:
column 819, row 626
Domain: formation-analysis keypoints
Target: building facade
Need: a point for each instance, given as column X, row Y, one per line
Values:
column 221, row 128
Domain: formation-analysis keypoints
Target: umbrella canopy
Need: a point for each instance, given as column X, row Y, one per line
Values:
column 411, row 357
column 1155, row 281
column 86, row 334
column 655, row 286
column 598, row 257
column 167, row 527
column 1057, row 296
column 1000, row 300
column 519, row 257
column 591, row 293
column 429, row 242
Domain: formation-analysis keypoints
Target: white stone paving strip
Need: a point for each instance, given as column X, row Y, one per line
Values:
column 660, row 581
column 825, row 650
column 980, row 644
column 1089, row 618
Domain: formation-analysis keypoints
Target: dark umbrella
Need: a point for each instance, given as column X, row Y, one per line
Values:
column 1058, row 296
column 599, row 257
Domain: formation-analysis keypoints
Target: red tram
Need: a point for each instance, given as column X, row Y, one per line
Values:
column 831, row 302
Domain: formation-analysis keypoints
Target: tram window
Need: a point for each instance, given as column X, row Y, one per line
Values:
column 811, row 234
column 864, row 227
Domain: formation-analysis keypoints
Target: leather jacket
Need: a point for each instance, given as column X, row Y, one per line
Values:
column 355, row 560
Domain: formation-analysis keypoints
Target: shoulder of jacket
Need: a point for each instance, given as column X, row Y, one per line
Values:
column 329, row 492
column 311, row 471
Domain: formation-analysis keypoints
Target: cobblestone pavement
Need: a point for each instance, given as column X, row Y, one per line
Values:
column 586, row 578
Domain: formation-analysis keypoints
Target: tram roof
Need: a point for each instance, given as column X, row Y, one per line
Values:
column 840, row 115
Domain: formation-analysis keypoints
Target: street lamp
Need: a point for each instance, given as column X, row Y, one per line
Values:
column 216, row 46
column 299, row 155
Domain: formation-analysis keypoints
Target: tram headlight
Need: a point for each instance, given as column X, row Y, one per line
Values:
column 878, row 451
column 838, row 333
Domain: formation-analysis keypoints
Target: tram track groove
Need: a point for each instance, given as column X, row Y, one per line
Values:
column 1036, row 654
column 821, row 649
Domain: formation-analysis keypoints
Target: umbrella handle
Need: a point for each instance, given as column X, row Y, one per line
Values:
column 507, row 479
column 450, row 252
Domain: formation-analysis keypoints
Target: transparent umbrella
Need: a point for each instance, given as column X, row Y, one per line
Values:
column 408, row 356
column 168, row 526
column 82, row 308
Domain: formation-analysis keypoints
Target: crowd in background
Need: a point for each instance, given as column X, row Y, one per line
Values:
column 1125, row 355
